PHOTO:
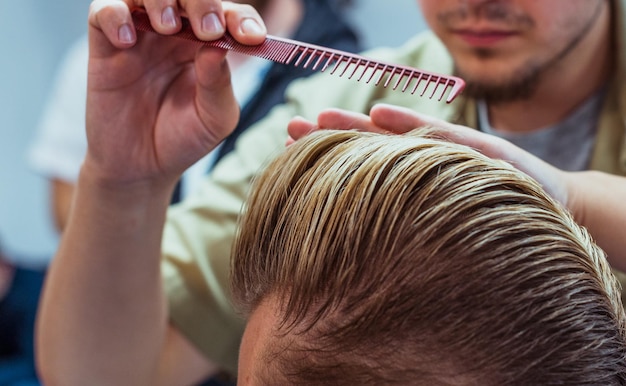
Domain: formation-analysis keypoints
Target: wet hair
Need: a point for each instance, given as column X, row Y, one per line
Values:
column 410, row 260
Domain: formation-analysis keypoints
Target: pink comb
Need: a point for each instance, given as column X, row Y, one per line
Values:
column 287, row 51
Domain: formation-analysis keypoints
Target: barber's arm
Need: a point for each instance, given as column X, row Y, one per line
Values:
column 155, row 105
column 596, row 200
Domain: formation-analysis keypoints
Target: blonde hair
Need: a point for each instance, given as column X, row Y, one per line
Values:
column 410, row 260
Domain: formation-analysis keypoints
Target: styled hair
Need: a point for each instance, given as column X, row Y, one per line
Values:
column 410, row 260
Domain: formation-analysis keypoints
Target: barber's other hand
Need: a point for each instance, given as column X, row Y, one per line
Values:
column 157, row 104
column 399, row 120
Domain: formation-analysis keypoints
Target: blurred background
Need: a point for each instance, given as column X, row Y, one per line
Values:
column 34, row 35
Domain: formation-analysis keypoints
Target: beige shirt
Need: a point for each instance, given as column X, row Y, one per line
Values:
column 199, row 232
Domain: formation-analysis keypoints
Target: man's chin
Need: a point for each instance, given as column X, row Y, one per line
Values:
column 516, row 87
column 498, row 94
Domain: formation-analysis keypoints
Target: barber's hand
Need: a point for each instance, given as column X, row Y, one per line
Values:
column 399, row 120
column 157, row 104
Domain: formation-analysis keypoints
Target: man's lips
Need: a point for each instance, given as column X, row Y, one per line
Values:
column 483, row 38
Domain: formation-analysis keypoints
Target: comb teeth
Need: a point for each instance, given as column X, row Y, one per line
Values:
column 295, row 53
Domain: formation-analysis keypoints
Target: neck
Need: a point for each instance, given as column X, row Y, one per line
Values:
column 281, row 18
column 564, row 87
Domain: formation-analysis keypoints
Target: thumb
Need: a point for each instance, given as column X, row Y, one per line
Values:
column 215, row 100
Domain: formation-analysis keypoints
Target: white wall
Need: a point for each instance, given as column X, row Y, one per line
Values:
column 386, row 22
column 33, row 37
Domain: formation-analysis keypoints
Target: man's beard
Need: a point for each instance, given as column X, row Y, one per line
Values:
column 520, row 86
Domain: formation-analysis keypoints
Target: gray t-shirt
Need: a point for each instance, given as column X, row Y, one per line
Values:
column 567, row 145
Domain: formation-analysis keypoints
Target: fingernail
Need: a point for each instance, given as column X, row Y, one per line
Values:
column 125, row 34
column 168, row 17
column 250, row 26
column 211, row 23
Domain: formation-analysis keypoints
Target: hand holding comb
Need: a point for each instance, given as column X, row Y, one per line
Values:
column 292, row 52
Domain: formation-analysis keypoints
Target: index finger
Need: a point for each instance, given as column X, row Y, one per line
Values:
column 401, row 120
column 347, row 120
column 113, row 19
column 209, row 20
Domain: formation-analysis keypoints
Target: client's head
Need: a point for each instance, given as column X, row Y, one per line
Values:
column 374, row 259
